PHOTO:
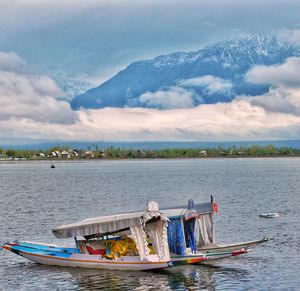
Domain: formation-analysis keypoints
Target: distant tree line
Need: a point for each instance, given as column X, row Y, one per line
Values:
column 95, row 152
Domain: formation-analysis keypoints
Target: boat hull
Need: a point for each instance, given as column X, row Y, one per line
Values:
column 96, row 263
column 207, row 258
column 232, row 247
column 66, row 259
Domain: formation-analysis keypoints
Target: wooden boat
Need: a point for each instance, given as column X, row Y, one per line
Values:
column 232, row 247
column 191, row 234
column 111, row 242
column 192, row 258
column 269, row 215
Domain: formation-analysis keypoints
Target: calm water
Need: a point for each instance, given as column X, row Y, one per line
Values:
column 35, row 198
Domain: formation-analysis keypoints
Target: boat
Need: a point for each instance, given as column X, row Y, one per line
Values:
column 191, row 234
column 129, row 241
column 52, row 166
column 210, row 248
column 269, row 215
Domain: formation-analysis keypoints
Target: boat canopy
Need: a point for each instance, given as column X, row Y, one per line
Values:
column 200, row 208
column 107, row 224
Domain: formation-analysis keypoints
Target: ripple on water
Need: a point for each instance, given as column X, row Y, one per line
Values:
column 35, row 198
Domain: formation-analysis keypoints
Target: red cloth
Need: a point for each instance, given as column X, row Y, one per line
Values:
column 95, row 252
column 215, row 207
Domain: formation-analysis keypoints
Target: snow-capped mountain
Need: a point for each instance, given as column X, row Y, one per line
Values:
column 212, row 74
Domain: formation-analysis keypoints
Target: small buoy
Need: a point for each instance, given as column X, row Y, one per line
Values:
column 52, row 166
column 269, row 215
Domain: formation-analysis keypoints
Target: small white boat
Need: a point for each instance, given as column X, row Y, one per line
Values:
column 119, row 241
column 269, row 215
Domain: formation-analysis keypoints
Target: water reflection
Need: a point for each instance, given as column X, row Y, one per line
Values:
column 178, row 278
column 189, row 277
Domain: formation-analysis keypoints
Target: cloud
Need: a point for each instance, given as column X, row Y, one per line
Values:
column 291, row 35
column 284, row 94
column 238, row 120
column 11, row 62
column 286, row 74
column 279, row 100
column 32, row 97
column 173, row 98
column 212, row 84
column 31, row 111
column 223, row 121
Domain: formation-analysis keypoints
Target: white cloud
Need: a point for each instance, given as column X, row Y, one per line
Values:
column 33, row 97
column 284, row 95
column 235, row 120
column 281, row 99
column 213, row 84
column 173, row 98
column 238, row 120
column 286, row 74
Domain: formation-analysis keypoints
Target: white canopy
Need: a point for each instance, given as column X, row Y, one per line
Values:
column 200, row 208
column 106, row 224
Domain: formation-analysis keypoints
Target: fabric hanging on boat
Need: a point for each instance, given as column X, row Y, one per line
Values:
column 139, row 237
column 206, row 234
column 175, row 237
column 154, row 230
column 191, row 212
column 189, row 231
column 157, row 234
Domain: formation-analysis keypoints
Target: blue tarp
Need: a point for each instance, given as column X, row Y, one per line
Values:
column 189, row 231
column 176, row 236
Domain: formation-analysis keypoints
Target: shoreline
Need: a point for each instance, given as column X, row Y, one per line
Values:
column 147, row 159
column 111, row 153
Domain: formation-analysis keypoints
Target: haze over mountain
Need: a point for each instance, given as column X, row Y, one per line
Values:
column 71, row 87
column 216, row 73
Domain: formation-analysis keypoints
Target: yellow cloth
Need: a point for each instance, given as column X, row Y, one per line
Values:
column 122, row 247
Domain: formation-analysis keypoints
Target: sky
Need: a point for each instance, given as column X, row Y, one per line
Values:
column 92, row 40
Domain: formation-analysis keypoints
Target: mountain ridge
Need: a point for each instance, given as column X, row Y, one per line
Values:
column 226, row 61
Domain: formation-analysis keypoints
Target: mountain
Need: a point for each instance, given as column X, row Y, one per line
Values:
column 212, row 74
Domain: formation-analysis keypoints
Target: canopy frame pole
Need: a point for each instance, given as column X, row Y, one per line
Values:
column 182, row 227
column 76, row 244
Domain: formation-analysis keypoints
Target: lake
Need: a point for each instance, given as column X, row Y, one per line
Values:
column 35, row 198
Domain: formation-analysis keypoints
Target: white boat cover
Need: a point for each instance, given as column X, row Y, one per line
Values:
column 106, row 224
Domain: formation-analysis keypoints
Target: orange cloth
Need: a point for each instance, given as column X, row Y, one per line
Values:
column 215, row 207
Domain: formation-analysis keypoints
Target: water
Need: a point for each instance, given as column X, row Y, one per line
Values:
column 35, row 198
